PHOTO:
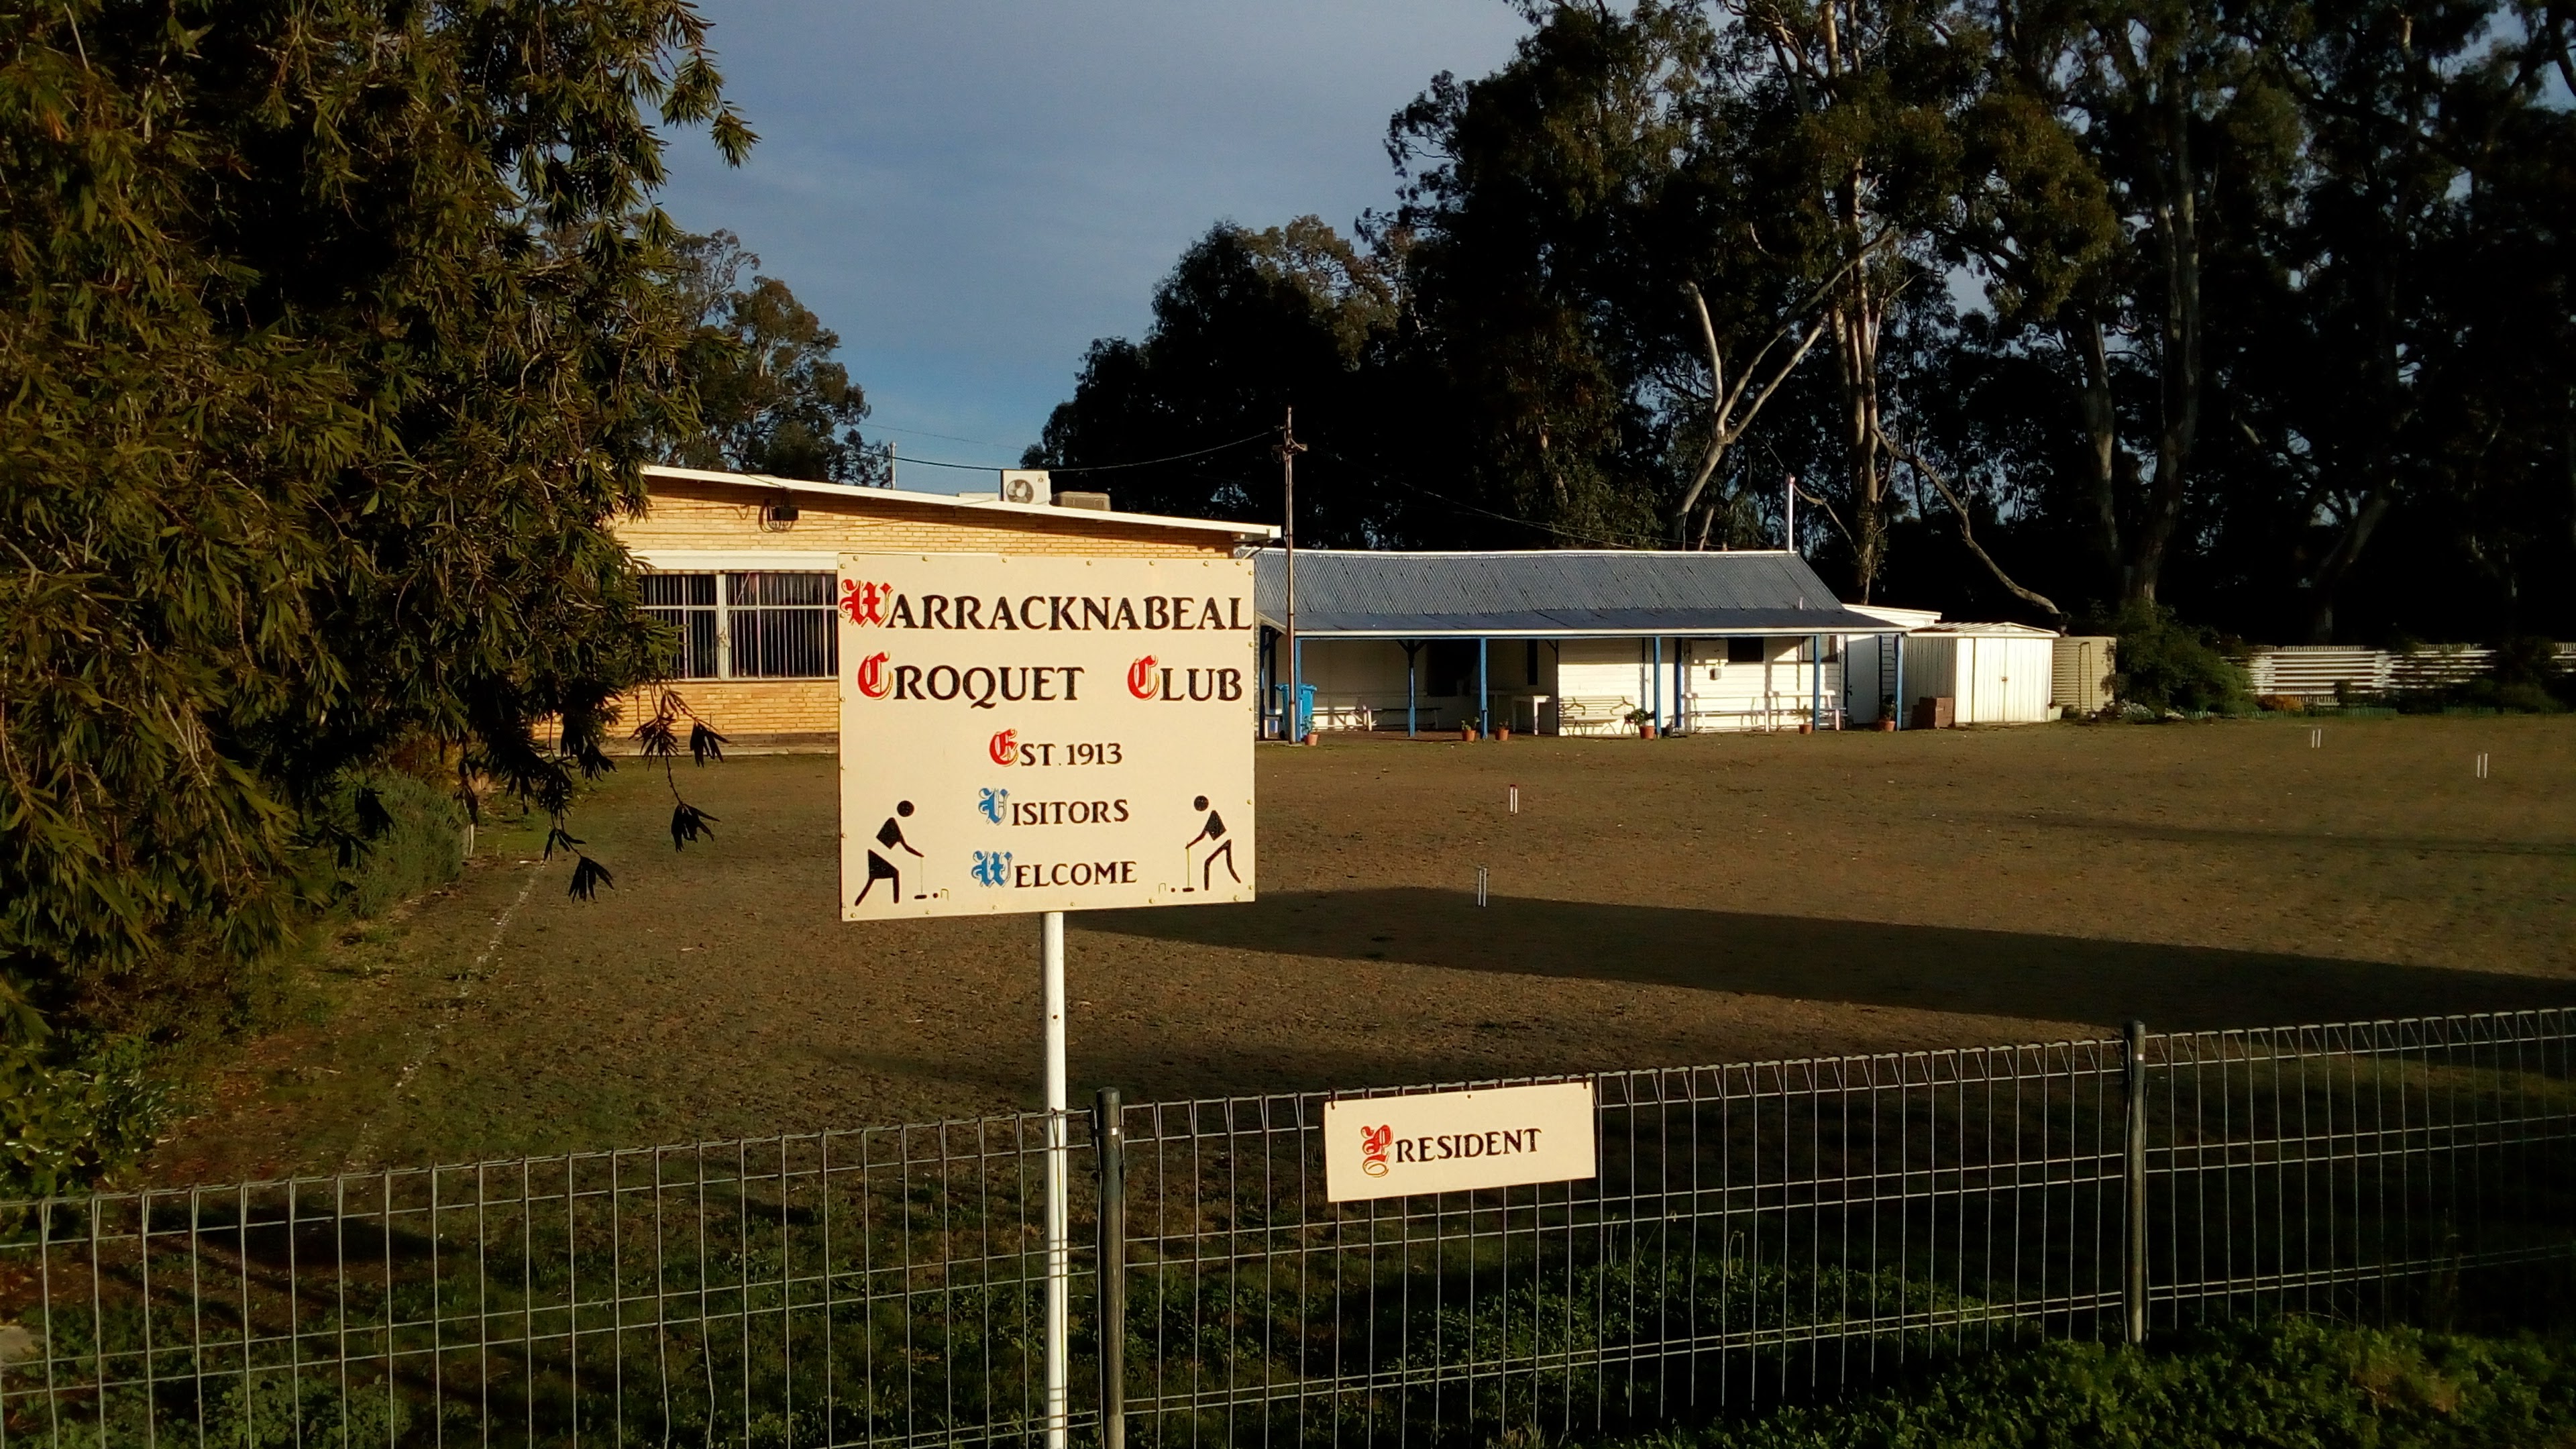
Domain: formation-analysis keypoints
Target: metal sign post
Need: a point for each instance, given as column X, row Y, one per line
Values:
column 1036, row 734
column 1059, row 1170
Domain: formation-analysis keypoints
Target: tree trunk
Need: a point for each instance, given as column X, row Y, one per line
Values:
column 1857, row 333
column 2083, row 332
column 1860, row 317
column 2331, row 573
column 2379, row 456
column 2177, row 219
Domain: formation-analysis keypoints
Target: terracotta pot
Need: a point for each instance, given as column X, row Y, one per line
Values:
column 1503, row 733
column 1887, row 726
column 1466, row 732
column 1806, row 726
column 1645, row 732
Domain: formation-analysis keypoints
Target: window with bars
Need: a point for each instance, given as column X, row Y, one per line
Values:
column 748, row 625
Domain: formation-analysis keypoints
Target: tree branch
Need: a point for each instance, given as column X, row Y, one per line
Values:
column 1967, row 535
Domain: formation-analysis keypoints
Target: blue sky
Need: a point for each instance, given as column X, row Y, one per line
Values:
column 970, row 191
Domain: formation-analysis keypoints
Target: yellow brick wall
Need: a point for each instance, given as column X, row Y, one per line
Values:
column 694, row 514
column 753, row 709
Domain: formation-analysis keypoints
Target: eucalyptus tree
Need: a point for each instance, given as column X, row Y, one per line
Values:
column 1848, row 125
column 2115, row 153
column 771, row 396
column 1247, row 325
column 1542, row 263
column 337, row 331
column 2411, row 114
column 1631, row 239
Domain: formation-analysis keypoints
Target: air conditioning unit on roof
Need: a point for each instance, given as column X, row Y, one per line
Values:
column 1027, row 485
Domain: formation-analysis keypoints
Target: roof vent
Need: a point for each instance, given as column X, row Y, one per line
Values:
column 1097, row 502
column 1027, row 485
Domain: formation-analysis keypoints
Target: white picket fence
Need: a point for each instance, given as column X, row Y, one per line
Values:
column 2311, row 671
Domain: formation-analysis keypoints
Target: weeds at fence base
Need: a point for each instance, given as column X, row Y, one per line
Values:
column 2300, row 1382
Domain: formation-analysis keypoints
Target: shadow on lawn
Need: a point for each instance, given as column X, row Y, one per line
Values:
column 1929, row 968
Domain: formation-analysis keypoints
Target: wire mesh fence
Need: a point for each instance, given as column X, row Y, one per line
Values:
column 1753, row 1232
column 879, row 1286
column 2405, row 1169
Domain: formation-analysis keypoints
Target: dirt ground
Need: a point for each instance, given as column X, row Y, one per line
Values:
column 1664, row 903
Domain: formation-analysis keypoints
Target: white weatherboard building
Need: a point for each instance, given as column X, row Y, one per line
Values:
column 1560, row 641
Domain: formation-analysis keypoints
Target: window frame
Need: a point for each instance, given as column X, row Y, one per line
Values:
column 724, row 611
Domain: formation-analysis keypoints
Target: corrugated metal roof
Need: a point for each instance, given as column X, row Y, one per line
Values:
column 1554, row 592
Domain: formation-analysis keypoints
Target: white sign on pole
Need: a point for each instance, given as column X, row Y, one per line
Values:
column 1035, row 733
column 1454, row 1141
column 1039, row 733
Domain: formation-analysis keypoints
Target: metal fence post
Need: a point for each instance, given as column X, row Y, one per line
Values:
column 2133, row 1242
column 1109, row 1145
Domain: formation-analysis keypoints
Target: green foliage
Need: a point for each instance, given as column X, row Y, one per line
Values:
column 2299, row 1385
column 276, row 1412
column 2259, row 309
column 770, row 397
column 417, row 842
column 65, row 1124
column 2526, row 677
column 1247, row 325
column 337, row 333
column 2165, row 664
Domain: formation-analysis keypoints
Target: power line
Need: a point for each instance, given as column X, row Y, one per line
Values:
column 1523, row 522
column 1571, row 533
column 1175, row 458
column 1088, row 467
column 877, row 427
column 935, row 463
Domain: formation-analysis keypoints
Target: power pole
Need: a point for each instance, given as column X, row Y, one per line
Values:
column 1289, row 448
column 1789, row 517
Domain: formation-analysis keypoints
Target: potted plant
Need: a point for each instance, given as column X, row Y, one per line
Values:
column 1644, row 720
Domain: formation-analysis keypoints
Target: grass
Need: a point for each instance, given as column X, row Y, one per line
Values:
column 1695, row 900
column 2297, row 1384
column 81, row 1107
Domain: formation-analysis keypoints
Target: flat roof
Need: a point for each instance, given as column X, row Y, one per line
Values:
column 849, row 493
column 1987, row 631
column 1554, row 594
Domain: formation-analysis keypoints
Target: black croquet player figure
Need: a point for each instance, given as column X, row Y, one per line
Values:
column 889, row 838
column 1214, row 834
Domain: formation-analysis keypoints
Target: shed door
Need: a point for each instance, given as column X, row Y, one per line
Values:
column 2032, row 661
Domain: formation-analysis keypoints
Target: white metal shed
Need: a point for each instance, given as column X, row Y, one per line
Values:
column 1994, row 673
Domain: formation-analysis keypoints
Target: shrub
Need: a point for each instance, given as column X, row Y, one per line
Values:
column 417, row 845
column 78, row 1113
column 2165, row 664
column 2525, row 677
